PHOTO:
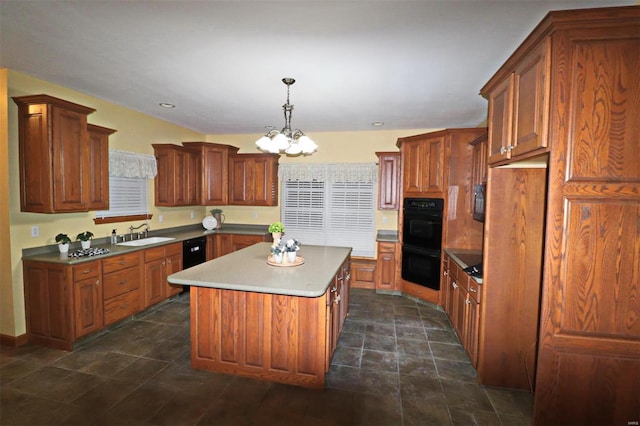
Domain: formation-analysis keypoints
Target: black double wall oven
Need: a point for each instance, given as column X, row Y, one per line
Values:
column 422, row 241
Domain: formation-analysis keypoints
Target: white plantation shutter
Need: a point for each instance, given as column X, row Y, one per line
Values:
column 127, row 197
column 350, row 217
column 330, row 204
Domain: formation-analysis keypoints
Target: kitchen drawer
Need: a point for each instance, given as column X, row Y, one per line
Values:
column 152, row 254
column 474, row 290
column 173, row 249
column 86, row 270
column 117, row 263
column 121, row 282
column 247, row 239
column 386, row 247
column 121, row 307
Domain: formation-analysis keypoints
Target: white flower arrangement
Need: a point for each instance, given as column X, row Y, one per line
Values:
column 278, row 249
column 292, row 245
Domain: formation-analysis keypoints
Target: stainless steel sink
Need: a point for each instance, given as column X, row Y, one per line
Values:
column 146, row 241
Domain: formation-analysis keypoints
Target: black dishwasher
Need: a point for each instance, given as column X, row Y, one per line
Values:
column 194, row 252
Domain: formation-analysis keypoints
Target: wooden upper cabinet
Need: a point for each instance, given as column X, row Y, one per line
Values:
column 423, row 165
column 479, row 166
column 389, row 180
column 54, row 156
column 518, row 108
column 99, row 165
column 175, row 183
column 213, row 182
column 253, row 179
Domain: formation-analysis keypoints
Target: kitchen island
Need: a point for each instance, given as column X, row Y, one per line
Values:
column 271, row 322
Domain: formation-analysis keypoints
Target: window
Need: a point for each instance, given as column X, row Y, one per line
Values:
column 330, row 204
column 129, row 175
column 127, row 197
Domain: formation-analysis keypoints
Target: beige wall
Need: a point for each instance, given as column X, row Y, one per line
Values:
column 136, row 132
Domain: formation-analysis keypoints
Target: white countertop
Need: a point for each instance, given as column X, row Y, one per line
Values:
column 248, row 270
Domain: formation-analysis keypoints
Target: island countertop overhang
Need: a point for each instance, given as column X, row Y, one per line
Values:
column 248, row 270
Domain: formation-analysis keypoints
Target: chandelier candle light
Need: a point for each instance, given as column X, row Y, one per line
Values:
column 291, row 142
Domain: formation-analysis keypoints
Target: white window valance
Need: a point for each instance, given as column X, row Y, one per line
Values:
column 132, row 165
column 339, row 172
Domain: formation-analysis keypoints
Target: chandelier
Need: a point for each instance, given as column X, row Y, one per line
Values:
column 291, row 142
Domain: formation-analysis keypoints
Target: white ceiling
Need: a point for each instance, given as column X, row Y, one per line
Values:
column 409, row 64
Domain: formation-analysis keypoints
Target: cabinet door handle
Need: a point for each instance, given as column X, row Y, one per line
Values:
column 468, row 302
column 503, row 150
column 472, row 290
column 333, row 289
column 454, row 285
column 446, row 273
column 97, row 283
column 337, row 300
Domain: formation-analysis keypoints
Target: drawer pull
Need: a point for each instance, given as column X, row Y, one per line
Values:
column 123, row 262
column 123, row 282
column 86, row 271
column 473, row 290
column 124, row 306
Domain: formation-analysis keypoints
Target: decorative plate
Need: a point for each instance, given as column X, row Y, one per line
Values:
column 209, row 222
column 299, row 261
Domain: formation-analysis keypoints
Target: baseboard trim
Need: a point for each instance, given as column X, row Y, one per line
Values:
column 13, row 341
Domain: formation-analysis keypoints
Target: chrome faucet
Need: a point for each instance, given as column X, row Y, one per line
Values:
column 146, row 230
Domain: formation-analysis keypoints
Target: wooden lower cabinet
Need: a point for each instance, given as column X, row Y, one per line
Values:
column 66, row 302
column 159, row 263
column 386, row 268
column 461, row 295
column 287, row 339
column 363, row 272
column 88, row 310
column 123, row 292
column 221, row 244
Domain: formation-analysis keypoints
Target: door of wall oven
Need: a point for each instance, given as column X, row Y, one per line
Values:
column 422, row 241
column 421, row 267
column 422, row 223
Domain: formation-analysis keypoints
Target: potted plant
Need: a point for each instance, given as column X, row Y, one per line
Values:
column 63, row 241
column 85, row 239
column 276, row 229
column 277, row 253
column 291, row 247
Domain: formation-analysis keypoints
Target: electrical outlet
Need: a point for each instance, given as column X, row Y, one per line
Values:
column 160, row 218
column 35, row 231
column 255, row 215
column 384, row 220
column 193, row 214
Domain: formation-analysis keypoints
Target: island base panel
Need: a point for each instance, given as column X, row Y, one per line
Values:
column 266, row 336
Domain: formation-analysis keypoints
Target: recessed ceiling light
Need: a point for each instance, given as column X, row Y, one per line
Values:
column 166, row 105
column 377, row 123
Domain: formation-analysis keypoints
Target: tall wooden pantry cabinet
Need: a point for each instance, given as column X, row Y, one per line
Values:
column 561, row 290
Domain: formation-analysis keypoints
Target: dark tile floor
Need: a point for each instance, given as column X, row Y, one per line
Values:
column 398, row 362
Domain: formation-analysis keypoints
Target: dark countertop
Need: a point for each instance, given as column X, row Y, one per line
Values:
column 385, row 236
column 51, row 253
column 465, row 258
